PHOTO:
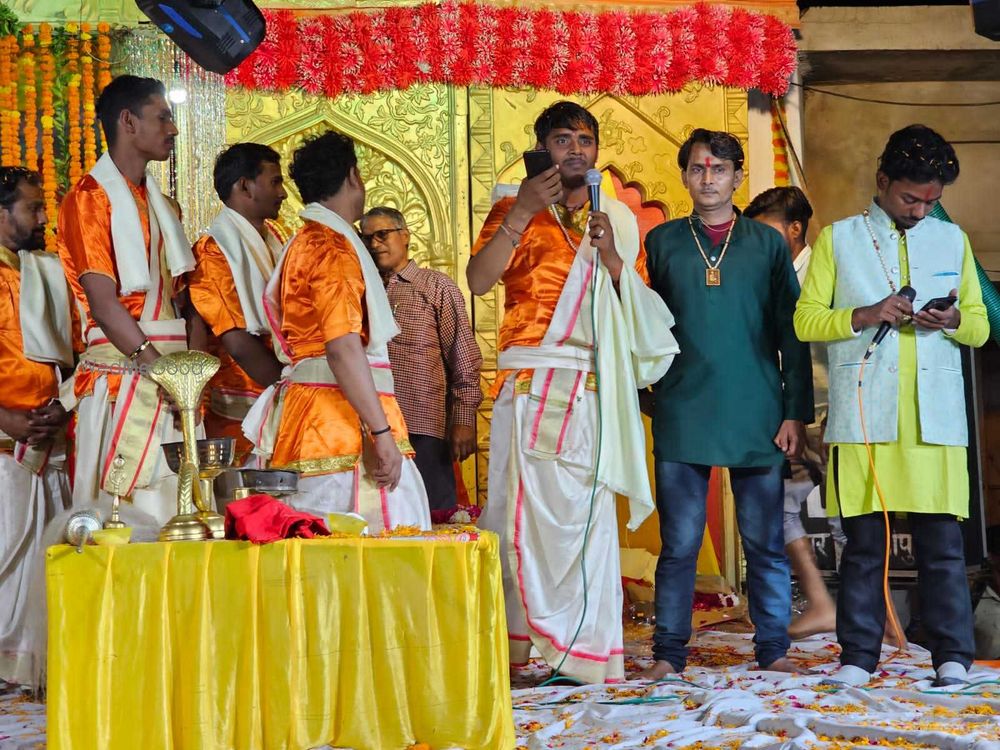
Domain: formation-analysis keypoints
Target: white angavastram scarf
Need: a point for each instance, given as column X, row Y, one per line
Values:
column 251, row 258
column 46, row 322
column 126, row 229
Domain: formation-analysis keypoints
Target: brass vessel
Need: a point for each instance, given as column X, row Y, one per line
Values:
column 184, row 375
column 215, row 455
column 115, row 521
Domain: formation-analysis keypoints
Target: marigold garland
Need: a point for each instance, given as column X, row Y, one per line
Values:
column 47, row 67
column 10, row 150
column 73, row 82
column 103, row 64
column 89, row 111
column 30, row 94
column 571, row 52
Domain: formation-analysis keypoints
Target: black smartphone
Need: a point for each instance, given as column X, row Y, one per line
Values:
column 537, row 161
column 939, row 303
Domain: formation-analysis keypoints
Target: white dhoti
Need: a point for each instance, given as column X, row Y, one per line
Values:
column 94, row 434
column 345, row 491
column 559, row 454
column 342, row 493
column 540, row 509
column 135, row 426
column 28, row 502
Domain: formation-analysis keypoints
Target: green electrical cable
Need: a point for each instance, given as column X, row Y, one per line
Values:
column 991, row 297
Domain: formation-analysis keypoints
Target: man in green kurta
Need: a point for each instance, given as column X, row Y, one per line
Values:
column 737, row 396
column 913, row 398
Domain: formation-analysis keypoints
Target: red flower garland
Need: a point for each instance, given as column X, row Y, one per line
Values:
column 572, row 52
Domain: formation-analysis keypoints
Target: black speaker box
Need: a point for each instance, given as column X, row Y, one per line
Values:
column 217, row 34
column 986, row 16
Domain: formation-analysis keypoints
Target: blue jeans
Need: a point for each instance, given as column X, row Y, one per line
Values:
column 680, row 501
column 945, row 602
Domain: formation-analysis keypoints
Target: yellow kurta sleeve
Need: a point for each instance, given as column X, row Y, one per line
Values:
column 815, row 320
column 974, row 328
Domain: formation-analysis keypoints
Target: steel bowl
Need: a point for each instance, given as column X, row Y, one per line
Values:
column 213, row 453
column 269, row 481
column 274, row 482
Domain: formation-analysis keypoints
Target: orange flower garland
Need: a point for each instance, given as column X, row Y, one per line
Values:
column 103, row 63
column 74, row 141
column 30, row 91
column 47, row 67
column 87, row 84
column 9, row 146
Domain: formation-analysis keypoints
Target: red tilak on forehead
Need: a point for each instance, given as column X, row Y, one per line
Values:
column 927, row 194
column 708, row 162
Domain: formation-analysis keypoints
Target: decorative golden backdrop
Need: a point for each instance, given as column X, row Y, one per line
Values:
column 436, row 153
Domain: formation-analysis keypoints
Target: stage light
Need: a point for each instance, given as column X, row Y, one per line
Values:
column 217, row 34
column 177, row 95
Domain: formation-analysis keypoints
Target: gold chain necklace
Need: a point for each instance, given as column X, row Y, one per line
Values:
column 555, row 215
column 713, row 276
column 878, row 251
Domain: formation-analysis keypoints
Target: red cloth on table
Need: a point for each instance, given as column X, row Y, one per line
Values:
column 262, row 519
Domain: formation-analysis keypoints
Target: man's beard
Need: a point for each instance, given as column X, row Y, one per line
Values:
column 571, row 183
column 35, row 241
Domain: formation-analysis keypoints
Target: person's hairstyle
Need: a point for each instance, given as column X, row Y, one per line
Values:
column 124, row 92
column 919, row 154
column 787, row 203
column 241, row 161
column 10, row 184
column 565, row 115
column 722, row 145
column 321, row 164
column 388, row 212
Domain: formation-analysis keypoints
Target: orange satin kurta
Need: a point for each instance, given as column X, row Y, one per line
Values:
column 323, row 298
column 535, row 276
column 26, row 384
column 213, row 293
column 85, row 247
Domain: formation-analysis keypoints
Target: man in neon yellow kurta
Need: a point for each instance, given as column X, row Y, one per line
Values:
column 913, row 397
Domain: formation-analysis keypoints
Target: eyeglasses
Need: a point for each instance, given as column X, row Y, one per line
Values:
column 379, row 234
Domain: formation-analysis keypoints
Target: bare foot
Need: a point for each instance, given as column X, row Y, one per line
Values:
column 814, row 620
column 784, row 664
column 658, row 671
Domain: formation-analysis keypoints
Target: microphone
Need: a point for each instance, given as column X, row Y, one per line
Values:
column 593, row 180
column 909, row 293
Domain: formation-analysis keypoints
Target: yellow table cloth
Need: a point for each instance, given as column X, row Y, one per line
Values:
column 374, row 643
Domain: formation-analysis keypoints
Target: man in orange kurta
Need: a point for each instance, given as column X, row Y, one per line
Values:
column 333, row 417
column 33, row 483
column 121, row 245
column 581, row 333
column 235, row 260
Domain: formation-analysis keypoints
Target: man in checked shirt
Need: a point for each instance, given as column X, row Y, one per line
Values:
column 435, row 359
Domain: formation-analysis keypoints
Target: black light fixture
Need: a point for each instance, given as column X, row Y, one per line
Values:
column 217, row 34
